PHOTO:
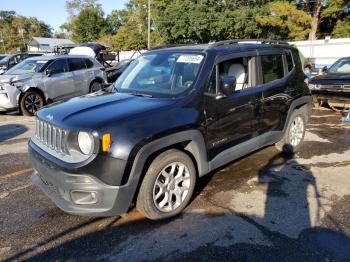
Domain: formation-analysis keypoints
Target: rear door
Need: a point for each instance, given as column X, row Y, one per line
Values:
column 77, row 67
column 91, row 73
column 60, row 84
column 233, row 119
column 274, row 82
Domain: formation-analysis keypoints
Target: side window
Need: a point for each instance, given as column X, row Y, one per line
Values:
column 237, row 67
column 59, row 66
column 290, row 62
column 76, row 64
column 89, row 63
column 272, row 68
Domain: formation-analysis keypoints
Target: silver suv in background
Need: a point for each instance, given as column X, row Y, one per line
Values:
column 40, row 80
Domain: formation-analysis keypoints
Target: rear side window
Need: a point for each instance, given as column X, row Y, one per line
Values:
column 76, row 64
column 272, row 68
column 290, row 62
column 89, row 63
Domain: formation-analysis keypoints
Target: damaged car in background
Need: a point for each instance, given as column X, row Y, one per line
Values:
column 333, row 87
column 40, row 80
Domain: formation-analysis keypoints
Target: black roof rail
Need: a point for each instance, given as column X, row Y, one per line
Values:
column 237, row 41
column 169, row 46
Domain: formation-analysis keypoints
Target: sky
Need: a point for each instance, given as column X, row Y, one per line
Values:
column 52, row 12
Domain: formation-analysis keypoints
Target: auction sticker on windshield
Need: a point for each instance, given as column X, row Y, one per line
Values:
column 190, row 59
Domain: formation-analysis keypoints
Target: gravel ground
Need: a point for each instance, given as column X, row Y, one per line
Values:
column 265, row 207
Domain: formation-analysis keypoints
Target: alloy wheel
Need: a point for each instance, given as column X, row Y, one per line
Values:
column 296, row 131
column 33, row 103
column 171, row 187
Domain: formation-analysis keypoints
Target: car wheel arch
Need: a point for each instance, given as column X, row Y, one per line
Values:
column 303, row 104
column 23, row 91
column 190, row 142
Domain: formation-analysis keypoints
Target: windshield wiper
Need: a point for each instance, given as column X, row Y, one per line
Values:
column 140, row 94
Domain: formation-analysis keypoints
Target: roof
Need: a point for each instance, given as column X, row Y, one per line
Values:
column 51, row 41
column 228, row 46
column 49, row 57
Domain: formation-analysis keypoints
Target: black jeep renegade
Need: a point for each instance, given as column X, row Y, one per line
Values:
column 174, row 115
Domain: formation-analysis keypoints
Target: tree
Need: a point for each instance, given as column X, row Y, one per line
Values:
column 74, row 7
column 283, row 20
column 17, row 30
column 89, row 25
column 342, row 29
column 324, row 10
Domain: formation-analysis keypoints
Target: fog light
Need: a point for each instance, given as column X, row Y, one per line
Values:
column 84, row 197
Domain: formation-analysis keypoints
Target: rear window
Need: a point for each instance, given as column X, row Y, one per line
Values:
column 272, row 68
column 89, row 63
column 76, row 64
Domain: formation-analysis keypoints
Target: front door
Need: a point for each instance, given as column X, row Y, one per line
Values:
column 232, row 120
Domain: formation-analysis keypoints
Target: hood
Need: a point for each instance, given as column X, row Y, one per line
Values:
column 6, row 78
column 93, row 111
column 330, row 78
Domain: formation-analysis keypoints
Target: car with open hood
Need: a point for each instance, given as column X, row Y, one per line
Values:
column 333, row 87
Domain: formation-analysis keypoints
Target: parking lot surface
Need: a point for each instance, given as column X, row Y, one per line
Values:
column 266, row 207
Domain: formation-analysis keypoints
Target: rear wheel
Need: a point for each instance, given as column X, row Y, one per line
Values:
column 95, row 86
column 167, row 186
column 294, row 134
column 31, row 102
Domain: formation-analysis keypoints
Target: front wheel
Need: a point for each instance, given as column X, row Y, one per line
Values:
column 294, row 134
column 31, row 102
column 167, row 186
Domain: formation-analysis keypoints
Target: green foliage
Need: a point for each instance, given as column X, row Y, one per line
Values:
column 283, row 20
column 342, row 29
column 16, row 31
column 89, row 25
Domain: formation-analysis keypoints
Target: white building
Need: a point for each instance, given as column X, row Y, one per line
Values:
column 46, row 45
column 324, row 52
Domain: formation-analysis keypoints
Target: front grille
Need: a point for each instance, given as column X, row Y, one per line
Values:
column 51, row 136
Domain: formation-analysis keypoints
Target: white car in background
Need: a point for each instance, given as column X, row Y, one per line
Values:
column 40, row 80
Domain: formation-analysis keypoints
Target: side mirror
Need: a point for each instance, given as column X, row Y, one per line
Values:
column 49, row 72
column 228, row 85
column 325, row 69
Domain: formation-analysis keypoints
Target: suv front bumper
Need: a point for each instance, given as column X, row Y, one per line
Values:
column 79, row 194
column 8, row 98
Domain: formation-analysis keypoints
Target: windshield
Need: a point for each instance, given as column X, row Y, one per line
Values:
column 164, row 74
column 2, row 58
column 27, row 67
column 340, row 67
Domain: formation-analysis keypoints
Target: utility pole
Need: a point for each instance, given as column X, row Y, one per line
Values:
column 149, row 25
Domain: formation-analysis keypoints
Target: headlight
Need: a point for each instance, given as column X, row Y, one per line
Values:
column 85, row 142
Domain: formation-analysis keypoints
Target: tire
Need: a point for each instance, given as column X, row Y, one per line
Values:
column 162, row 173
column 31, row 102
column 95, row 86
column 294, row 134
